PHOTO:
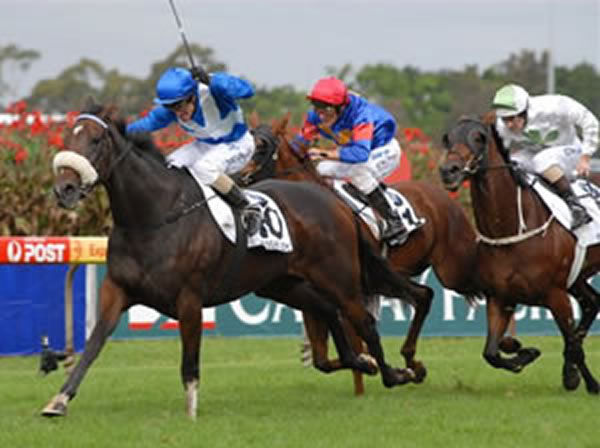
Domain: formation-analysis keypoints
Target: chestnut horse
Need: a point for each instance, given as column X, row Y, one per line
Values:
column 167, row 252
column 527, row 264
column 446, row 242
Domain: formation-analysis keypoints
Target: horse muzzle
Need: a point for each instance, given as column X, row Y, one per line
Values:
column 452, row 175
column 68, row 193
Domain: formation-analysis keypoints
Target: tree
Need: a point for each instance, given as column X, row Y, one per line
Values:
column 14, row 62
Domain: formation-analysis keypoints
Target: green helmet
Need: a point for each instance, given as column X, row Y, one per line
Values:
column 510, row 100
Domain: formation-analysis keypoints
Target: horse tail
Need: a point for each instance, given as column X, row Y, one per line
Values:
column 377, row 276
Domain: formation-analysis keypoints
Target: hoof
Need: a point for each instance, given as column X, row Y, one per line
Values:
column 571, row 378
column 527, row 355
column 370, row 364
column 398, row 377
column 509, row 345
column 593, row 388
column 420, row 372
column 57, row 407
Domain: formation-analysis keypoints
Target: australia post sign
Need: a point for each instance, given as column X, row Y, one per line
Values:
column 52, row 250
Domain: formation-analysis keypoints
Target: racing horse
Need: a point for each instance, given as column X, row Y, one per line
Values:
column 525, row 255
column 446, row 242
column 167, row 252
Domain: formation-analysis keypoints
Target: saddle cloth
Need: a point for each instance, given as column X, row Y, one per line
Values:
column 589, row 196
column 273, row 233
column 402, row 206
column 586, row 235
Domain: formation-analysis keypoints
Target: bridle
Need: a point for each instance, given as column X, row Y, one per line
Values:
column 126, row 149
column 477, row 163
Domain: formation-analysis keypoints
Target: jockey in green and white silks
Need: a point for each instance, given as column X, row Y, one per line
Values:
column 541, row 133
column 209, row 112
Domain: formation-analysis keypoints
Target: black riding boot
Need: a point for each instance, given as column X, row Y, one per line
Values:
column 580, row 214
column 394, row 233
column 249, row 215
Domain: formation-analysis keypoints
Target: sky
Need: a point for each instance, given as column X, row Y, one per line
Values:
column 279, row 42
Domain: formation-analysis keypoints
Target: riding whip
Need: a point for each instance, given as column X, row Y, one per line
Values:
column 197, row 72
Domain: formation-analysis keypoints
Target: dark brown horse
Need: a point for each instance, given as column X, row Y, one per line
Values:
column 446, row 242
column 167, row 252
column 515, row 265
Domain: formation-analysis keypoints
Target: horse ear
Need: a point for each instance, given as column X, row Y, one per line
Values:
column 89, row 103
column 112, row 112
column 278, row 127
column 286, row 120
column 445, row 141
column 489, row 117
column 254, row 119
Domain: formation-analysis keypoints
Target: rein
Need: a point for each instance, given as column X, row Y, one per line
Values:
column 522, row 235
column 171, row 216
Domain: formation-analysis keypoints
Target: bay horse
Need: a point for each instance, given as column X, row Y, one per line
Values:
column 525, row 255
column 167, row 252
column 446, row 242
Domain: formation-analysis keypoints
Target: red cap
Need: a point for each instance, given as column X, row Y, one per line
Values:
column 329, row 90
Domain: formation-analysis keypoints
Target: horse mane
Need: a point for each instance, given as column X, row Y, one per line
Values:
column 141, row 142
column 489, row 119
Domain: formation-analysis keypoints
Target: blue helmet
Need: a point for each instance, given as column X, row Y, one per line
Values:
column 174, row 85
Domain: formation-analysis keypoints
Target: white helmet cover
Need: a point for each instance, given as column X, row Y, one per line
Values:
column 510, row 100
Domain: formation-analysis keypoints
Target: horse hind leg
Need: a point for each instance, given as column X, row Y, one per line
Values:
column 409, row 348
column 112, row 303
column 574, row 355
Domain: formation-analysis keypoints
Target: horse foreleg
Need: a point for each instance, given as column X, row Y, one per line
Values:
column 498, row 316
column 574, row 356
column 189, row 312
column 409, row 348
column 112, row 303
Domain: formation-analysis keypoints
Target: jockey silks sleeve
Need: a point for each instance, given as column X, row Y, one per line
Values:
column 552, row 120
column 361, row 127
column 217, row 118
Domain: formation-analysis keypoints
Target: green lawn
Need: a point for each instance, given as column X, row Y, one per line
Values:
column 255, row 393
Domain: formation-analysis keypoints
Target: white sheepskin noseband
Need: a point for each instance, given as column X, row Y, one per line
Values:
column 78, row 163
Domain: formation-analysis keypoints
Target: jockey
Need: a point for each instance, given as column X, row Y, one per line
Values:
column 205, row 107
column 366, row 150
column 542, row 133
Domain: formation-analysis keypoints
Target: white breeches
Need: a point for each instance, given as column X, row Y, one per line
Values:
column 208, row 161
column 365, row 176
column 565, row 157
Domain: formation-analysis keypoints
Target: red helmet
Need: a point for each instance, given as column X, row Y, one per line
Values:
column 329, row 90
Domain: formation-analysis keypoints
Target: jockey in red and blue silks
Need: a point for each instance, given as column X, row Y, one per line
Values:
column 366, row 148
column 208, row 111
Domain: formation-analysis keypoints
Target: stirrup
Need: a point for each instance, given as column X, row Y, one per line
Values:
column 395, row 237
column 580, row 217
column 251, row 219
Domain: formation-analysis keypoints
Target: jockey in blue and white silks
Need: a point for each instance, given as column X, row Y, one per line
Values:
column 366, row 148
column 541, row 133
column 209, row 113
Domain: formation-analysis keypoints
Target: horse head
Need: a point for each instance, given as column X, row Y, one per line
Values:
column 466, row 150
column 88, row 158
column 284, row 160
